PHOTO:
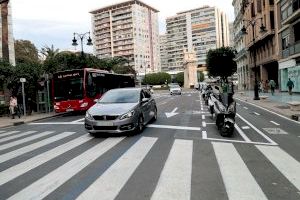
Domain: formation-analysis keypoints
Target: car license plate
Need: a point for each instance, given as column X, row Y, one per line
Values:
column 69, row 110
column 104, row 123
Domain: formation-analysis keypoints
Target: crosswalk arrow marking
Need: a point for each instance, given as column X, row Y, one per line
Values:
column 171, row 114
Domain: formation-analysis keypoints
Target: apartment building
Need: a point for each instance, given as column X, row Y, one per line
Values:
column 265, row 47
column 163, row 52
column 288, row 19
column 128, row 29
column 196, row 30
column 243, row 70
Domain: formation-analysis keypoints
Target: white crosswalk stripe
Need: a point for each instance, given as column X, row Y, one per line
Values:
column 8, row 133
column 17, row 136
column 286, row 164
column 173, row 179
column 54, row 179
column 33, row 146
column 28, row 165
column 238, row 180
column 15, row 143
column 112, row 181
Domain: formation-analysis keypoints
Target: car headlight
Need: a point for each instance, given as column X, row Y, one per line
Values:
column 88, row 116
column 127, row 115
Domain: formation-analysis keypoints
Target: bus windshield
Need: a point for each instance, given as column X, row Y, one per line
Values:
column 68, row 89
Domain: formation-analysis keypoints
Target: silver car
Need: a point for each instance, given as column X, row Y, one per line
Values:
column 174, row 89
column 121, row 110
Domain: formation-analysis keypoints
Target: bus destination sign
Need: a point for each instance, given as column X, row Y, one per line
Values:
column 75, row 74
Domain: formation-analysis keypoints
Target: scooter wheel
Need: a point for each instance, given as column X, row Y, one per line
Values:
column 226, row 132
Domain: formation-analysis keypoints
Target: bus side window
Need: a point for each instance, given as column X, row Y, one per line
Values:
column 91, row 86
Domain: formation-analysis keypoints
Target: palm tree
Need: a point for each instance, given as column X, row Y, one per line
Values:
column 49, row 52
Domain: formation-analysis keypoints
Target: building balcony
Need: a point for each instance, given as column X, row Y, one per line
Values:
column 292, row 17
column 291, row 50
column 122, row 17
column 240, row 54
column 262, row 39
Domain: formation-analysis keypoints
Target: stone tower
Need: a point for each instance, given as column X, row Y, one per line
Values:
column 7, row 49
column 190, row 69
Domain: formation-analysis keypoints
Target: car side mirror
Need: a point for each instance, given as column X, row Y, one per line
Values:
column 144, row 100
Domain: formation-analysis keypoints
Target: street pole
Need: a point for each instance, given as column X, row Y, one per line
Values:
column 81, row 40
column 48, row 94
column 256, row 94
column 23, row 94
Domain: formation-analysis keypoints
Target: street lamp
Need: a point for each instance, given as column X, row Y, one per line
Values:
column 81, row 36
column 262, row 28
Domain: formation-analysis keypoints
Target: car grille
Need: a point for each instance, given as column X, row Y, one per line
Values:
column 104, row 117
column 105, row 127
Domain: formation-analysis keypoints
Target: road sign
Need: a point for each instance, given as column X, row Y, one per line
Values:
column 22, row 80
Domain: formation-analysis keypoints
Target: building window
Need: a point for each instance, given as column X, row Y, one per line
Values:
column 271, row 2
column 285, row 42
column 272, row 19
column 259, row 6
column 252, row 10
column 297, row 31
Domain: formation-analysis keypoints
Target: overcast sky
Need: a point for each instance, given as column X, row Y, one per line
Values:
column 47, row 22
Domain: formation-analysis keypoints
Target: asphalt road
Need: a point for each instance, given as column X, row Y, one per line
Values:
column 180, row 156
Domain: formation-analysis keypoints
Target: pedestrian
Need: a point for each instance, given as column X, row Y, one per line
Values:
column 272, row 85
column 13, row 104
column 267, row 86
column 290, row 85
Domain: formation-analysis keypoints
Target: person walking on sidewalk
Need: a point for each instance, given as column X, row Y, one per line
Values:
column 290, row 85
column 272, row 86
column 13, row 104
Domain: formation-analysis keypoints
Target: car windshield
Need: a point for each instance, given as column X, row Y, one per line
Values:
column 174, row 86
column 121, row 96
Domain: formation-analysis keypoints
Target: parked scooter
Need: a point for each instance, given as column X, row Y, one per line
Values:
column 223, row 107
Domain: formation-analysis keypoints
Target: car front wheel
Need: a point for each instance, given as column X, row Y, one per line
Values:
column 140, row 125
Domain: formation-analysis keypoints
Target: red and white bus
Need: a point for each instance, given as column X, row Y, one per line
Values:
column 76, row 90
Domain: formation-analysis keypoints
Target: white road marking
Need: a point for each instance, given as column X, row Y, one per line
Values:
column 238, row 104
column 79, row 120
column 15, row 143
column 204, row 124
column 204, row 135
column 239, row 141
column 244, row 136
column 56, row 123
column 175, row 179
column 258, row 131
column 256, row 113
column 286, row 164
column 8, row 133
column 17, row 136
column 23, row 150
column 19, row 169
column 210, row 123
column 174, row 127
column 109, row 184
column 275, row 123
column 235, row 174
column 162, row 103
column 203, row 117
column 172, row 113
column 56, row 178
column 270, row 111
column 2, row 131
column 245, row 108
column 245, row 127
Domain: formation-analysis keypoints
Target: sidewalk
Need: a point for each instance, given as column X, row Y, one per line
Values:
column 276, row 103
column 8, row 121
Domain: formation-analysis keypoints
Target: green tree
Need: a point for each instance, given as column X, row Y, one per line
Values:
column 26, row 52
column 180, row 78
column 157, row 78
column 6, row 73
column 49, row 52
column 220, row 62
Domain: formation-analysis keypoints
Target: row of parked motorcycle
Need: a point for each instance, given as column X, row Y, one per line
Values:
column 222, row 108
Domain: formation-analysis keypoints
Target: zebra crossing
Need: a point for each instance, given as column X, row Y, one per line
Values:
column 127, row 154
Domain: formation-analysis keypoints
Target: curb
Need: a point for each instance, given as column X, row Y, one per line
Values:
column 34, row 120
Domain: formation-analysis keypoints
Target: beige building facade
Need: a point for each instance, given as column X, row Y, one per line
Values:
column 128, row 29
column 260, row 13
